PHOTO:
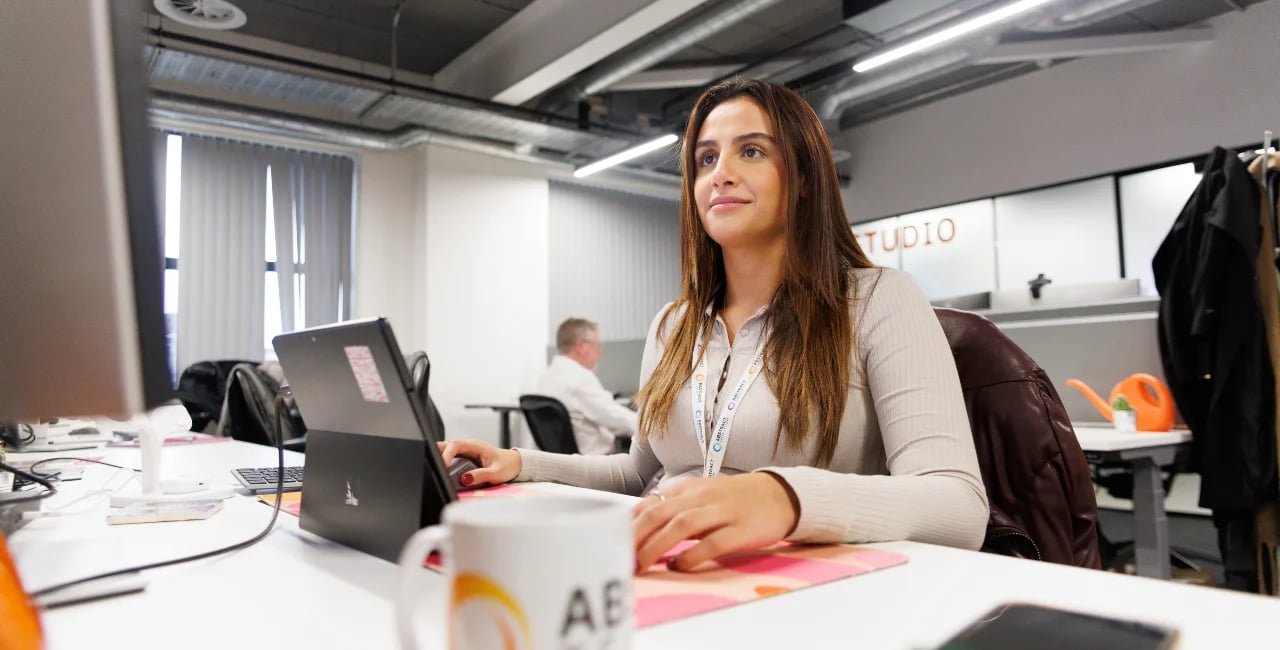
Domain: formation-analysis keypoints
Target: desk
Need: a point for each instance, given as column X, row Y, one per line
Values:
column 308, row 592
column 1147, row 452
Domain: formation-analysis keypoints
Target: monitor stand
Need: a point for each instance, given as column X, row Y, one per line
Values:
column 156, row 489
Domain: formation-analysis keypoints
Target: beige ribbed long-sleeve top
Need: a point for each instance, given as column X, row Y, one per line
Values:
column 904, row 466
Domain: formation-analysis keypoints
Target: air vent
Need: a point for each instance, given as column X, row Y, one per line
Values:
column 205, row 14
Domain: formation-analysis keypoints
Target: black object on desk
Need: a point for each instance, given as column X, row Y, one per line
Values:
column 504, row 418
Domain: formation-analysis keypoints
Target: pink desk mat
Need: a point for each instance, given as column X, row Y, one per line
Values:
column 664, row 595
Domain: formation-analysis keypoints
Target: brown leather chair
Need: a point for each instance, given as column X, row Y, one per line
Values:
column 1037, row 480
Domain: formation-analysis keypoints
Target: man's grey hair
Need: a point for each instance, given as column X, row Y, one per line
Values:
column 571, row 331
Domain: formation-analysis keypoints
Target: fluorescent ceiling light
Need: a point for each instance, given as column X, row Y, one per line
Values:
column 623, row 156
column 949, row 34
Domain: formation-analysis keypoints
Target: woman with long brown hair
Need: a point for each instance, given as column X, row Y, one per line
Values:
column 858, row 432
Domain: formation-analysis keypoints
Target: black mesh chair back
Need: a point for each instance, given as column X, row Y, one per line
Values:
column 420, row 374
column 549, row 423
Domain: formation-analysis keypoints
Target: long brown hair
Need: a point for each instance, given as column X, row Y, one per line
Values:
column 810, row 330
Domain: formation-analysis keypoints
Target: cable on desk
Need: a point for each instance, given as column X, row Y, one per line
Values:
column 275, row 513
column 49, row 489
column 38, row 463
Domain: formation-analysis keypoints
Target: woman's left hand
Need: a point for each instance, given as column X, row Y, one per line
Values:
column 726, row 513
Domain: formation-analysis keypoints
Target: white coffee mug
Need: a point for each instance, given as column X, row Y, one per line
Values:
column 528, row 572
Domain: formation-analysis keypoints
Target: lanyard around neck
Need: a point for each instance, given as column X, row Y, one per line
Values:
column 713, row 454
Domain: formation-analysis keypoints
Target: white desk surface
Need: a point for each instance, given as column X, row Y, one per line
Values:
column 1105, row 438
column 294, row 589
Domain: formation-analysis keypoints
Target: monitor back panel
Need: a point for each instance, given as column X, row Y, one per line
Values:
column 374, row 475
column 366, row 493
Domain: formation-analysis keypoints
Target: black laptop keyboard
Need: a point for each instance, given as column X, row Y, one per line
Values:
column 261, row 478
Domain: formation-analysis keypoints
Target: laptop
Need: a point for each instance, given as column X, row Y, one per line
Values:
column 374, row 472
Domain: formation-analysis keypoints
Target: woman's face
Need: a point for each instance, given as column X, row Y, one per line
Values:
column 738, row 176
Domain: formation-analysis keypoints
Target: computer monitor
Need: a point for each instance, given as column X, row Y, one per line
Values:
column 81, row 269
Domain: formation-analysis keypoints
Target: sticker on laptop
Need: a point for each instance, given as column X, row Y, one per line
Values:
column 366, row 371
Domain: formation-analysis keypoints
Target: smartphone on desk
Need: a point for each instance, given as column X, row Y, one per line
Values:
column 1020, row 625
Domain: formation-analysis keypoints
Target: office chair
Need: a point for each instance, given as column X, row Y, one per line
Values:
column 249, row 409
column 1041, row 498
column 202, row 388
column 549, row 423
column 420, row 376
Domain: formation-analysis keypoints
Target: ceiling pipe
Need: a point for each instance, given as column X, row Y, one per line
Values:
column 615, row 69
column 1085, row 13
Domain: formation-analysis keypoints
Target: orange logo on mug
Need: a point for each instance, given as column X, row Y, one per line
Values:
column 509, row 618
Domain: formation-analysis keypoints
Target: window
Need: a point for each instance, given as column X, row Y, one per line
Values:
column 172, row 229
column 273, row 323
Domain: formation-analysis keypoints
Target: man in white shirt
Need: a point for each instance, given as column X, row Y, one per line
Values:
column 571, row 378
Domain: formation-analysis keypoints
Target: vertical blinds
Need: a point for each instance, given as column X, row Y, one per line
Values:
column 614, row 258
column 222, row 259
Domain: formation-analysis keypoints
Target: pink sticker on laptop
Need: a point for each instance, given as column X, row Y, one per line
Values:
column 366, row 371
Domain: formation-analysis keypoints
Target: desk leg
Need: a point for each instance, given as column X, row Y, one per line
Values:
column 504, row 438
column 1150, row 525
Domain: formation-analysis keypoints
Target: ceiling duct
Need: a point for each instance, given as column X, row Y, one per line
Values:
column 890, row 21
column 860, row 89
column 362, row 101
column 1085, row 12
column 212, row 118
column 179, row 114
column 615, row 69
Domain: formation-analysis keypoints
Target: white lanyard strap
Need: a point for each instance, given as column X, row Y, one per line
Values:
column 713, row 455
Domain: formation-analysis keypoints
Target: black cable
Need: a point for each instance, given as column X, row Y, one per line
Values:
column 275, row 513
column 50, row 490
column 82, row 460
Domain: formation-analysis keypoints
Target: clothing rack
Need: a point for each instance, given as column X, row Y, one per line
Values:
column 1268, row 192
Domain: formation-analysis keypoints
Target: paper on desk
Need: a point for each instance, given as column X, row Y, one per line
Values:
column 290, row 502
column 175, row 439
column 142, row 513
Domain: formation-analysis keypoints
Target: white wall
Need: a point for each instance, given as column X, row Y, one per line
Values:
column 1150, row 202
column 384, row 250
column 481, row 253
column 614, row 258
column 454, row 247
column 1076, row 120
column 874, row 238
column 1069, row 233
column 950, row 251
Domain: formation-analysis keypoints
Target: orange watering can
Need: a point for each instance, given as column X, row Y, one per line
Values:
column 1154, row 414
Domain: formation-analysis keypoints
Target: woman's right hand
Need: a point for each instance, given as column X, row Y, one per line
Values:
column 495, row 465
